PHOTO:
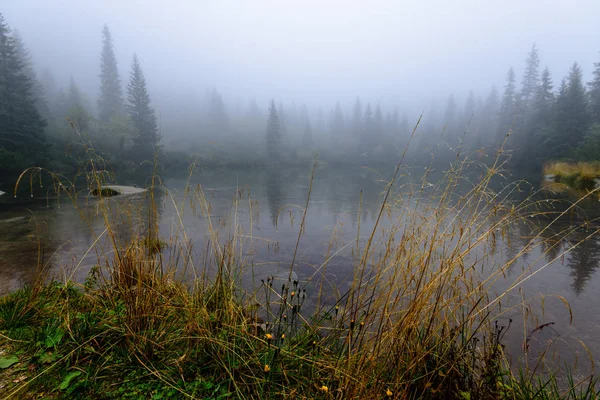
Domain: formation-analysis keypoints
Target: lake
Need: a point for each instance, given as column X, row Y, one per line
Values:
column 69, row 240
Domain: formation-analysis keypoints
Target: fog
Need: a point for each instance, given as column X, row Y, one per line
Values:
column 313, row 52
column 407, row 57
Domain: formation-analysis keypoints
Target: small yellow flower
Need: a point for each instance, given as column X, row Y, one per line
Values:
column 283, row 336
column 267, row 368
column 293, row 293
column 388, row 393
column 324, row 389
column 269, row 336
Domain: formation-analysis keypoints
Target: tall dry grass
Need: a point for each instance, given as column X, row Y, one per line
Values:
column 417, row 318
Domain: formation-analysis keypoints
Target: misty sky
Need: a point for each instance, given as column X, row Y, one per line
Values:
column 314, row 52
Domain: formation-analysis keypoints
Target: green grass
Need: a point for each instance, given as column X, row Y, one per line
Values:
column 416, row 319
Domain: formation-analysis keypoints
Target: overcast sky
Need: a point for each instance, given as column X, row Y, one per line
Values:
column 313, row 51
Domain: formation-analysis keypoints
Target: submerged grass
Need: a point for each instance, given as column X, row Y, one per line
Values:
column 417, row 318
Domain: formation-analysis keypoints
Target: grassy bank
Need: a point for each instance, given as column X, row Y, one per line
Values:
column 580, row 175
column 415, row 320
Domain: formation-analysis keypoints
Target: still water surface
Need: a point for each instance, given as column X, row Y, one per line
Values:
column 54, row 232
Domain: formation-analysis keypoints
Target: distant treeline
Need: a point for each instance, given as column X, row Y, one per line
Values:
column 51, row 126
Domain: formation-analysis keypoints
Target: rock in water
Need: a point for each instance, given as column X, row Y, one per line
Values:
column 116, row 190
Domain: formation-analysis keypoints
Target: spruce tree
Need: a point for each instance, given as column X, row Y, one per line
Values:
column 357, row 116
column 579, row 117
column 273, row 133
column 50, row 90
column 553, row 139
column 37, row 90
column 450, row 120
column 378, row 125
column 489, row 120
column 531, row 151
column 524, row 142
column 283, row 123
column 73, row 96
column 60, row 108
column 367, row 125
column 544, row 98
column 22, row 141
column 73, row 107
column 394, row 123
column 468, row 111
column 531, row 77
column 387, row 124
column 450, row 112
column 110, row 103
column 217, row 116
column 142, row 116
column 571, row 117
column 336, row 125
column 507, row 104
column 594, row 94
column 492, row 104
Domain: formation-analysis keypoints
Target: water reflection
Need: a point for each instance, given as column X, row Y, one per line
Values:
column 274, row 194
column 583, row 261
column 66, row 238
column 335, row 198
column 58, row 233
column 20, row 252
column 581, row 246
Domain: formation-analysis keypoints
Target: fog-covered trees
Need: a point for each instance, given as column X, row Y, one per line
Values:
column 37, row 90
column 468, row 111
column 391, row 124
column 525, row 144
column 572, row 116
column 487, row 128
column 532, row 140
column 49, row 88
column 273, row 134
column 450, row 117
column 22, row 141
column 217, row 121
column 508, row 103
column 546, row 123
column 377, row 129
column 283, row 123
column 594, row 93
column 74, row 108
column 544, row 98
column 357, row 116
column 531, row 77
column 337, row 128
column 110, row 103
column 140, row 111
column 367, row 129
